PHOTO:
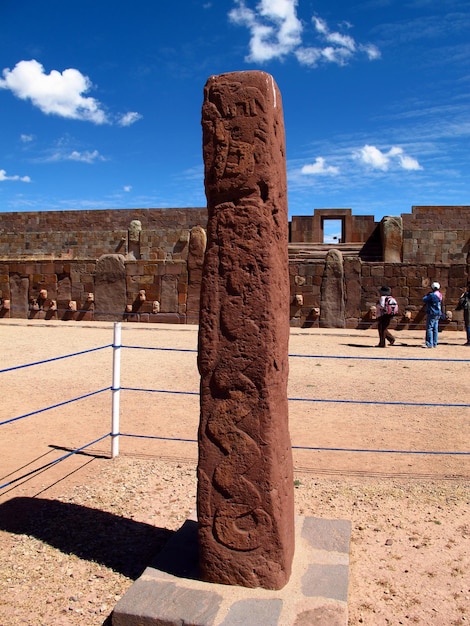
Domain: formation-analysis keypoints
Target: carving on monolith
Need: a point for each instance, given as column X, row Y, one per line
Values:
column 245, row 475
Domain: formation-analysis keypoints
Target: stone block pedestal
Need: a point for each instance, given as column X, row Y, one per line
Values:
column 169, row 592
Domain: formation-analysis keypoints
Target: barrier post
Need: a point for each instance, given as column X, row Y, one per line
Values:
column 116, row 389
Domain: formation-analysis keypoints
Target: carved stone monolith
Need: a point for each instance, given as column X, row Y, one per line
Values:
column 245, row 475
column 391, row 231
column 110, row 287
column 332, row 292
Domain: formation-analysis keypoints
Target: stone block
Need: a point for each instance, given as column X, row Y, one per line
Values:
column 171, row 592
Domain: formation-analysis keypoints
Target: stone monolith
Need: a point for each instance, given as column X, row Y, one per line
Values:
column 110, row 287
column 391, row 231
column 332, row 292
column 245, row 475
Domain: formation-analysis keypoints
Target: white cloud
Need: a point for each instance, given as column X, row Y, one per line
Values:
column 55, row 93
column 75, row 155
column 319, row 168
column 59, row 93
column 127, row 188
column 370, row 155
column 375, row 158
column 276, row 32
column 129, row 118
column 371, row 51
column 4, row 177
column 274, row 26
column 308, row 56
column 408, row 163
column 85, row 157
column 26, row 138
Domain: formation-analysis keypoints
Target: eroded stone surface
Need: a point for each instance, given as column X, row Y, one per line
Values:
column 196, row 250
column 110, row 286
column 391, row 230
column 245, row 477
column 332, row 292
column 19, row 287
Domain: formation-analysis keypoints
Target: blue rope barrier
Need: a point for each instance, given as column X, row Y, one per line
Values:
column 194, row 393
column 320, row 449
column 184, row 393
column 54, row 406
column 372, row 451
column 158, row 437
column 377, row 358
column 380, row 402
column 57, row 358
column 162, row 349
column 55, row 461
column 318, row 356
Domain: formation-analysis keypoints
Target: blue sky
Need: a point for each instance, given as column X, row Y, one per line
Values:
column 101, row 101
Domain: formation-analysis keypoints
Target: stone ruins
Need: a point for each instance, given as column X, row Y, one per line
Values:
column 245, row 473
column 160, row 251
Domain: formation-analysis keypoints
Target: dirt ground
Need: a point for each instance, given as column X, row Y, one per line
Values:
column 380, row 437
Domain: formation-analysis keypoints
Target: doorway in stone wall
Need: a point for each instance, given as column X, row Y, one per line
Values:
column 332, row 230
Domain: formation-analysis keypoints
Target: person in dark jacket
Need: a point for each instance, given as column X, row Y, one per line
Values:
column 464, row 305
column 432, row 300
column 384, row 318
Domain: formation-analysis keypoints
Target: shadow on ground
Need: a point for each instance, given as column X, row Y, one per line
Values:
column 121, row 544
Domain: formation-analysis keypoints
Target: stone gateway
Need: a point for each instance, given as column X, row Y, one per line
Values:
column 245, row 473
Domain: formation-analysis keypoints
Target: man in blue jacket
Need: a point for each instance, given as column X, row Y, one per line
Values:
column 432, row 300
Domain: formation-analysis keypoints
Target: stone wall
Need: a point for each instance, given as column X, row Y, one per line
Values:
column 360, row 284
column 164, row 233
column 437, row 234
column 160, row 252
column 73, row 292
column 310, row 228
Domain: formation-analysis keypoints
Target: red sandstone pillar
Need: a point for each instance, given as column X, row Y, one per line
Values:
column 245, row 475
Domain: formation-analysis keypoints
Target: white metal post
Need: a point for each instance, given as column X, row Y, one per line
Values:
column 116, row 389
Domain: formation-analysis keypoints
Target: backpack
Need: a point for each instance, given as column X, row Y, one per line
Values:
column 391, row 306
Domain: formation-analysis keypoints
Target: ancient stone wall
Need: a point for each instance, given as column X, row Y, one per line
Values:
column 312, row 302
column 164, row 233
column 80, row 290
column 58, row 251
column 437, row 234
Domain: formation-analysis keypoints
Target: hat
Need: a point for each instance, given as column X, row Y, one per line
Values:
column 435, row 286
column 385, row 291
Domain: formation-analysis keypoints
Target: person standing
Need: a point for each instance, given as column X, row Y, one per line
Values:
column 432, row 300
column 464, row 305
column 384, row 316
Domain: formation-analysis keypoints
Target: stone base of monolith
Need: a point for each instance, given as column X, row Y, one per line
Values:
column 170, row 591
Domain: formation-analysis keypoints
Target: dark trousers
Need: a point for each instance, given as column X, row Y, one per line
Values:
column 383, row 323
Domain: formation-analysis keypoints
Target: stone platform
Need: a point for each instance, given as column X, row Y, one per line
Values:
column 169, row 592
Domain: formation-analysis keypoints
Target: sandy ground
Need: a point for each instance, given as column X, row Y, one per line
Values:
column 75, row 534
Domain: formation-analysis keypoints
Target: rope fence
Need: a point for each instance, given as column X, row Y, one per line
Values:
column 116, row 389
